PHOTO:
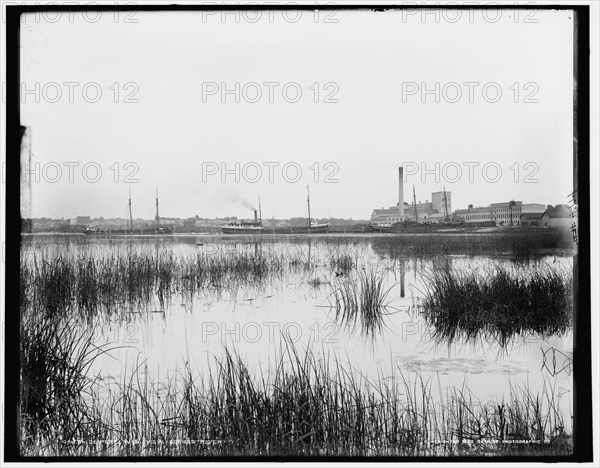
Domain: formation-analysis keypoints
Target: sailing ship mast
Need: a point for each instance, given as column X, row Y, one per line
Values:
column 308, row 201
column 415, row 203
column 157, row 216
column 130, row 216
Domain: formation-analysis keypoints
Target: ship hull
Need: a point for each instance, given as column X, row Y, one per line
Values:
column 411, row 227
column 240, row 230
column 317, row 229
column 127, row 232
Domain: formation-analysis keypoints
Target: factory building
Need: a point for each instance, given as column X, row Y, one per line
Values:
column 438, row 210
column 503, row 214
column 507, row 213
column 425, row 213
column 386, row 216
column 441, row 202
column 474, row 214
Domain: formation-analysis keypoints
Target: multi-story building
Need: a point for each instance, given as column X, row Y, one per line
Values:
column 507, row 213
column 80, row 221
column 503, row 213
column 428, row 211
column 387, row 216
column 474, row 214
column 441, row 202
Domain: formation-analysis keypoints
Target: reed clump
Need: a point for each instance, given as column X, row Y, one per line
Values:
column 342, row 263
column 498, row 303
column 361, row 301
column 55, row 358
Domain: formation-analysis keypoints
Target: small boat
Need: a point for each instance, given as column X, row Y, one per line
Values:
column 93, row 231
column 312, row 228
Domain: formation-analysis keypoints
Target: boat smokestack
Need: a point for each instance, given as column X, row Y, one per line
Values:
column 255, row 216
column 401, row 193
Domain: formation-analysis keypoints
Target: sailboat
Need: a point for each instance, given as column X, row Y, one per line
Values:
column 310, row 228
column 157, row 229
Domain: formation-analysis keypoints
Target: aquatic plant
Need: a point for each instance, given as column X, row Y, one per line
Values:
column 361, row 301
column 342, row 263
column 305, row 405
column 498, row 302
column 86, row 284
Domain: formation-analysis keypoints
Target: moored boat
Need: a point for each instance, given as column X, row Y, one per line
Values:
column 315, row 228
column 256, row 227
column 157, row 229
column 243, row 227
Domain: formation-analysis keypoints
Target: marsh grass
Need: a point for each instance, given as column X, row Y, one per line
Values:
column 498, row 302
column 342, row 263
column 306, row 405
column 55, row 360
column 361, row 301
column 57, row 285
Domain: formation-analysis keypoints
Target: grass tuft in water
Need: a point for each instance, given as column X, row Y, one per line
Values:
column 498, row 303
column 362, row 301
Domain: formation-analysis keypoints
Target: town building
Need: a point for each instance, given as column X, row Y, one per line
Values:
column 387, row 216
column 441, row 203
column 507, row 213
column 532, row 219
column 474, row 214
column 503, row 214
column 80, row 221
column 559, row 216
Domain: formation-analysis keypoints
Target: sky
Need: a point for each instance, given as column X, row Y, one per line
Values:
column 479, row 105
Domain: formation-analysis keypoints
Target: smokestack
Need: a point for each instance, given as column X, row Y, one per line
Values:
column 255, row 216
column 401, row 193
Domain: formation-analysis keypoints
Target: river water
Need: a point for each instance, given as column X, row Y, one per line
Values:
column 163, row 336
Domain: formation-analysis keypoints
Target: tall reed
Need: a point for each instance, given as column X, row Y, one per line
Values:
column 56, row 285
column 361, row 301
column 498, row 303
column 305, row 405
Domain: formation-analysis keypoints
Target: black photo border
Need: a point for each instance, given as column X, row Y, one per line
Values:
column 582, row 376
